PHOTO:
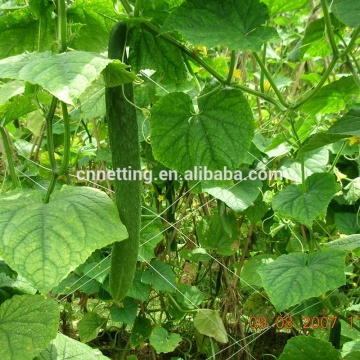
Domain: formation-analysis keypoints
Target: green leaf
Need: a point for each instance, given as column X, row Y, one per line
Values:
column 98, row 270
column 160, row 276
column 347, row 223
column 353, row 191
column 16, row 108
column 22, row 30
column 162, row 341
column 65, row 348
column 124, row 312
column 319, row 140
column 347, row 11
column 346, row 126
column 235, row 24
column 212, row 235
column 332, row 98
column 150, row 236
column 309, row 348
column 96, row 18
column 314, row 42
column 216, row 136
column 27, row 324
column 304, row 207
column 10, row 89
column 138, row 290
column 348, row 243
column 307, row 275
column 189, row 296
column 140, row 331
column 65, row 75
column 238, row 197
column 44, row 242
column 349, row 124
column 280, row 6
column 349, row 347
column 249, row 275
column 256, row 211
column 75, row 282
column 209, row 323
column 89, row 326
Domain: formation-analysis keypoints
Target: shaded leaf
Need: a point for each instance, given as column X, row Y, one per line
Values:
column 89, row 326
column 235, row 24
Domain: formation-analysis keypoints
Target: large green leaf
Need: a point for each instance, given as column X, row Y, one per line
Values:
column 304, row 207
column 28, row 29
column 44, row 242
column 293, row 278
column 238, row 197
column 216, row 136
column 346, row 11
column 234, row 23
column 309, row 348
column 333, row 97
column 209, row 323
column 65, row 75
column 27, row 325
column 65, row 348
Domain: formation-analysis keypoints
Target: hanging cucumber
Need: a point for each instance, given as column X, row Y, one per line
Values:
column 125, row 150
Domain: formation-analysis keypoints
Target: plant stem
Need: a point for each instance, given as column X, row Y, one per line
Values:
column 66, row 154
column 337, row 156
column 61, row 7
column 329, row 29
column 318, row 86
column 127, row 6
column 14, row 178
column 271, row 80
column 231, row 67
column 351, row 42
column 137, row 8
column 49, row 133
column 208, row 68
column 262, row 75
column 51, row 187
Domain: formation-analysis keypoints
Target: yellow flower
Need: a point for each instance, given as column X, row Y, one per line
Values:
column 161, row 198
column 353, row 140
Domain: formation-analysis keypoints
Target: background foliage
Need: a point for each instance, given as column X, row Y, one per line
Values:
column 226, row 269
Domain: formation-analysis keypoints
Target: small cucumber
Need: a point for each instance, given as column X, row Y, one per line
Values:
column 125, row 150
column 335, row 334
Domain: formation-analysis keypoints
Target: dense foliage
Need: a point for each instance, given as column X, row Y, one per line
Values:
column 246, row 268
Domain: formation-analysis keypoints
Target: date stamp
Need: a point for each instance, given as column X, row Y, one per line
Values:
column 287, row 322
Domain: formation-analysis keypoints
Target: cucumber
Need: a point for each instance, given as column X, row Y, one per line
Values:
column 125, row 150
column 335, row 335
